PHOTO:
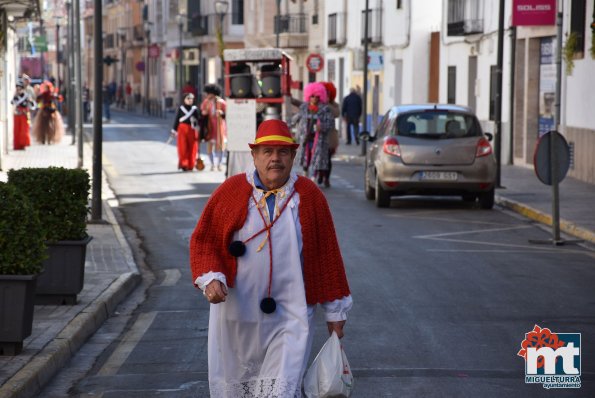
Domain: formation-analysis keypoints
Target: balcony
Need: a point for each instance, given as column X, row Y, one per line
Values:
column 374, row 26
column 337, row 35
column 292, row 30
column 464, row 18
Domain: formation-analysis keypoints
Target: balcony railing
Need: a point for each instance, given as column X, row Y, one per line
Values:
column 374, row 26
column 336, row 29
column 464, row 18
column 290, row 23
column 199, row 25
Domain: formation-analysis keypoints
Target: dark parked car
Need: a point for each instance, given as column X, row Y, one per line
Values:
column 430, row 149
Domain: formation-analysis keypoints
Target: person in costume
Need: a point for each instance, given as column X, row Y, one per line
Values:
column 23, row 104
column 315, row 121
column 214, row 107
column 333, row 136
column 265, row 253
column 185, row 128
column 48, row 127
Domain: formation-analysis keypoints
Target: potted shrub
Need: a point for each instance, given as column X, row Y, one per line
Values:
column 61, row 197
column 22, row 251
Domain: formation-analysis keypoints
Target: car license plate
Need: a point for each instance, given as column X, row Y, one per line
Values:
column 439, row 175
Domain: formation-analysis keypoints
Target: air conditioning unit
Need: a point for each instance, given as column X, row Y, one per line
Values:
column 191, row 56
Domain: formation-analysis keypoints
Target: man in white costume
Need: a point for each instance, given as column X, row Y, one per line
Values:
column 264, row 253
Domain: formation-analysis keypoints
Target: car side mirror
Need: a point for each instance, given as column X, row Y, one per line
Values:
column 489, row 135
column 365, row 136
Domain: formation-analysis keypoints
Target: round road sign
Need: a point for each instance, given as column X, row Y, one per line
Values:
column 542, row 161
column 314, row 63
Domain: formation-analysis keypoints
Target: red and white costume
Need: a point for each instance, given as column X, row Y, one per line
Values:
column 252, row 353
column 22, row 105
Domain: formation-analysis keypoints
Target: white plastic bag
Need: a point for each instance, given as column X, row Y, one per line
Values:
column 330, row 374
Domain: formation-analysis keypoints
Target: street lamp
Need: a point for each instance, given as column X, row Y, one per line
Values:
column 180, row 18
column 148, row 37
column 221, row 7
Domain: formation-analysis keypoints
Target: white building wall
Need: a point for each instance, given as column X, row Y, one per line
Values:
column 578, row 101
column 456, row 50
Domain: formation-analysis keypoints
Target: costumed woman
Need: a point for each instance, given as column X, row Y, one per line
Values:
column 22, row 105
column 48, row 127
column 315, row 122
column 214, row 108
column 185, row 128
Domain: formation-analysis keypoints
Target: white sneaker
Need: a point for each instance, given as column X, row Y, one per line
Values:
column 212, row 167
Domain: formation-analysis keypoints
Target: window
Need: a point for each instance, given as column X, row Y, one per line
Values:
column 452, row 85
column 493, row 90
column 237, row 12
column 577, row 25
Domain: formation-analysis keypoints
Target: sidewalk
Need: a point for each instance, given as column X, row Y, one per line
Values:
column 110, row 275
column 523, row 193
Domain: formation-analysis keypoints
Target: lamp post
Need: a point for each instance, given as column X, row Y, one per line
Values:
column 180, row 20
column 148, row 37
column 57, row 18
column 221, row 7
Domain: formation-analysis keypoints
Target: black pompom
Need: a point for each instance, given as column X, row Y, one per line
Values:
column 237, row 248
column 268, row 305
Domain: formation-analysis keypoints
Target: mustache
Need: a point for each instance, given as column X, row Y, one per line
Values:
column 276, row 167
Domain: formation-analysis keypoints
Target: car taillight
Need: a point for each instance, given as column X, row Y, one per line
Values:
column 483, row 148
column 391, row 146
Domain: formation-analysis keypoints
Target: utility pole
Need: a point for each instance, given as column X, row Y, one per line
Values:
column 365, row 92
column 78, row 95
column 97, row 111
column 498, row 107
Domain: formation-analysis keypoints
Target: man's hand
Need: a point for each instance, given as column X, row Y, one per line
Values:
column 336, row 327
column 215, row 292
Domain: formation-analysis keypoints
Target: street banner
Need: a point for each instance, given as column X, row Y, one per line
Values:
column 533, row 12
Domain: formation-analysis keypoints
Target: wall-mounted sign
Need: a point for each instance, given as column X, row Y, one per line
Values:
column 375, row 60
column 533, row 12
column 314, row 63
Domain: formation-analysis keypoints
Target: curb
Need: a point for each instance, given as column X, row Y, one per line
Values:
column 546, row 219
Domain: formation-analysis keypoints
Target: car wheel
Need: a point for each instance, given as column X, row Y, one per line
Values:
column 382, row 197
column 368, row 190
column 486, row 199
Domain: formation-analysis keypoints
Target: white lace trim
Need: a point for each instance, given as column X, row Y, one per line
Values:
column 256, row 388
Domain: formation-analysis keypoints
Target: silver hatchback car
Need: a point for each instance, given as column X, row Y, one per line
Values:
column 430, row 150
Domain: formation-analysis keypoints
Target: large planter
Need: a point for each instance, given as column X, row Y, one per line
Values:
column 63, row 273
column 16, row 311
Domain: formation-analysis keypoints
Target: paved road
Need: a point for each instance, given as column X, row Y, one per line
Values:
column 443, row 292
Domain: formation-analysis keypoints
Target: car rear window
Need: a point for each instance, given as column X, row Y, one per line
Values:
column 437, row 125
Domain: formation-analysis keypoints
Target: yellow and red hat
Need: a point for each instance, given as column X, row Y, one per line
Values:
column 274, row 132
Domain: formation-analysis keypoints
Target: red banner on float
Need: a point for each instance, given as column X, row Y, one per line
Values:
column 533, row 12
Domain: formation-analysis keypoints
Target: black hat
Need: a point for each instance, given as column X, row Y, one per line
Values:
column 213, row 89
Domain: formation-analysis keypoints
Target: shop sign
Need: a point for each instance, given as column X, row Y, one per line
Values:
column 533, row 12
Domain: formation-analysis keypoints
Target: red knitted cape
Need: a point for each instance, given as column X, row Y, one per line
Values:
column 226, row 212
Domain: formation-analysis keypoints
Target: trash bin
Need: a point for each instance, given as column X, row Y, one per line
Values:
column 240, row 81
column 271, row 80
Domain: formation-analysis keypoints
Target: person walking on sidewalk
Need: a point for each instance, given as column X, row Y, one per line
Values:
column 185, row 128
column 48, row 127
column 22, row 105
column 265, row 253
column 351, row 110
column 214, row 108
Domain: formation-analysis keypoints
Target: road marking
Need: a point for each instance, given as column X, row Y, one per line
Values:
column 510, row 228
column 129, row 342
column 172, row 276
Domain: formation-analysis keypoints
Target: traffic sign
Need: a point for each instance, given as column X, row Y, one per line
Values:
column 542, row 157
column 314, row 63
